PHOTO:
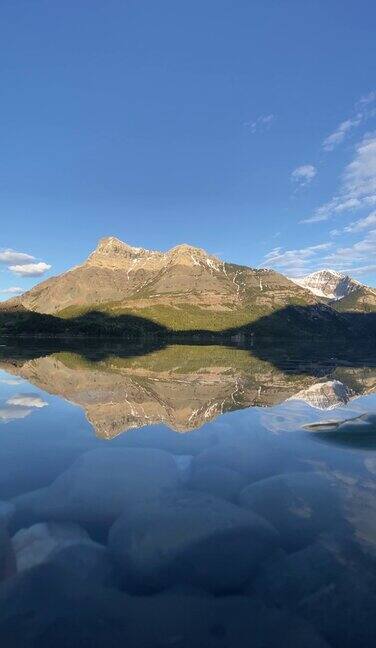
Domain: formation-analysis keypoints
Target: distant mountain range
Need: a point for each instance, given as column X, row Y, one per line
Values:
column 120, row 287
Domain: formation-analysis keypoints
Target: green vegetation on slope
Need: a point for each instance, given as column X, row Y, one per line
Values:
column 181, row 317
column 357, row 301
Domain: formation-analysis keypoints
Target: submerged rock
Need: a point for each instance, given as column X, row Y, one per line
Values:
column 36, row 462
column 184, row 466
column 189, row 537
column 7, row 558
column 252, row 458
column 45, row 606
column 7, row 511
column 35, row 545
column 39, row 610
column 285, row 582
column 228, row 622
column 218, row 481
column 85, row 564
column 298, row 505
column 344, row 611
column 100, row 484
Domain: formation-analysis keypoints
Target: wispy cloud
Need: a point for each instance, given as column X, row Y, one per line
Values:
column 336, row 205
column 10, row 413
column 295, row 262
column 360, row 175
column 303, row 174
column 362, row 223
column 340, row 133
column 262, row 123
column 13, row 290
column 358, row 184
column 354, row 258
column 363, row 112
column 362, row 270
column 30, row 269
column 366, row 99
column 12, row 256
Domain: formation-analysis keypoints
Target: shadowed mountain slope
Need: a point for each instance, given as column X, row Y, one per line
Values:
column 292, row 322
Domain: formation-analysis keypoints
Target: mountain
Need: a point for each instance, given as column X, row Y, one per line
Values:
column 183, row 387
column 343, row 292
column 328, row 283
column 131, row 291
column 184, row 288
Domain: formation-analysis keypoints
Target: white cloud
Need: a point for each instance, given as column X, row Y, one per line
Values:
column 362, row 223
column 303, row 174
column 340, row 133
column 261, row 123
column 295, row 262
column 10, row 413
column 360, row 175
column 362, row 270
column 20, row 406
column 337, row 205
column 366, row 99
column 355, row 259
column 363, row 113
column 13, row 290
column 30, row 269
column 27, row 400
column 358, row 185
column 11, row 256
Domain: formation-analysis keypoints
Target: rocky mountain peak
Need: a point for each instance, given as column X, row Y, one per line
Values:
column 113, row 253
column 113, row 245
column 189, row 255
column 328, row 283
column 185, row 248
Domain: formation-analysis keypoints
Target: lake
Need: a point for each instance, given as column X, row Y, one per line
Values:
column 183, row 496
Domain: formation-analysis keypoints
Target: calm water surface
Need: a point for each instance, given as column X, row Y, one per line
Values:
column 188, row 496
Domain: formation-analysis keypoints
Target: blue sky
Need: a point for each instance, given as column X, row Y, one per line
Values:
column 226, row 124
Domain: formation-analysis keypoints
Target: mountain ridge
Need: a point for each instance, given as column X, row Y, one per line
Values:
column 121, row 288
column 118, row 272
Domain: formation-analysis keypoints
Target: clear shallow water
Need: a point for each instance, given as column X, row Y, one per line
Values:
column 187, row 497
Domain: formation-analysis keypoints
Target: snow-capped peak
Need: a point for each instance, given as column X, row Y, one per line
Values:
column 328, row 283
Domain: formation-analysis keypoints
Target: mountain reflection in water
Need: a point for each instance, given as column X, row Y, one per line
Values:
column 256, row 527
column 185, row 386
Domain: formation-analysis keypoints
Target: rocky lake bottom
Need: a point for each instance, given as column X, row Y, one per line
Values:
column 187, row 497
